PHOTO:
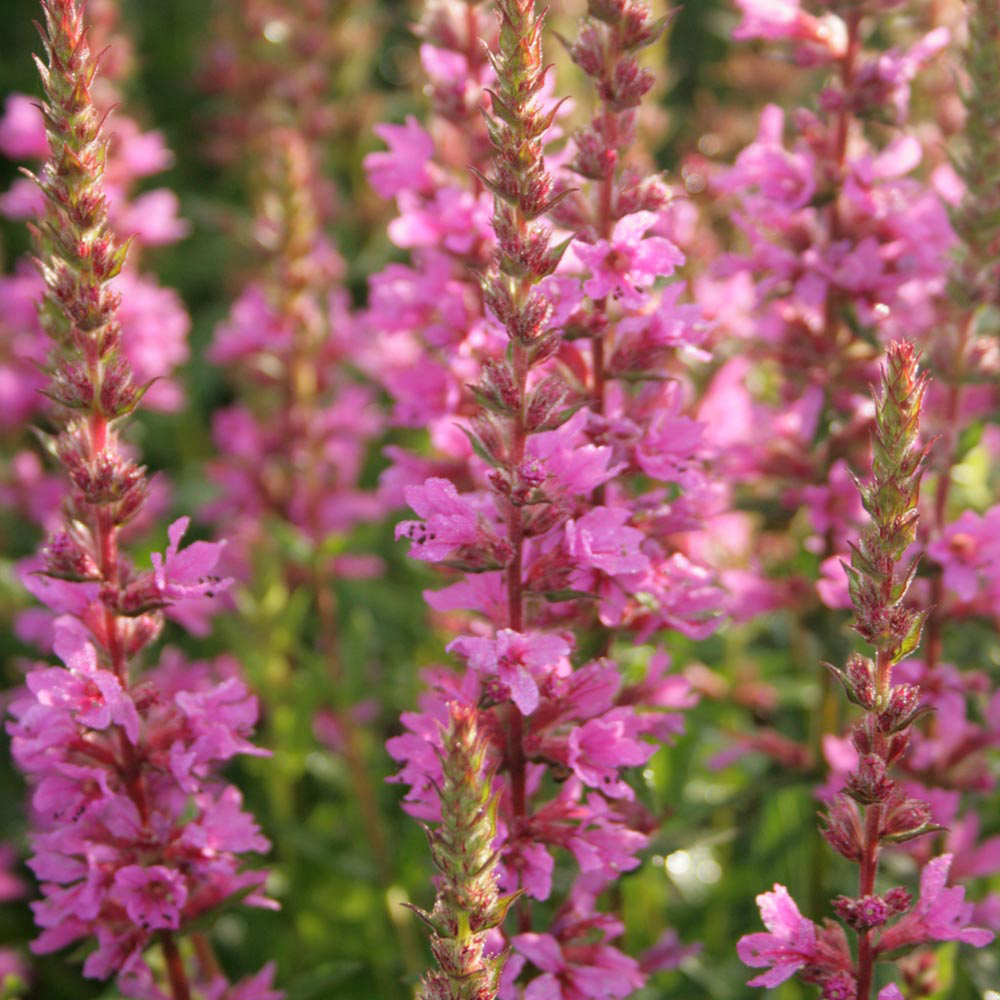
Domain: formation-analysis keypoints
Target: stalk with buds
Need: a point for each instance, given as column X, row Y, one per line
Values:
column 541, row 552
column 136, row 836
column 873, row 810
column 522, row 190
column 468, row 903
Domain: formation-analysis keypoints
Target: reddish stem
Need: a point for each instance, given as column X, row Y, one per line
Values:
column 866, row 887
column 605, row 226
column 205, row 953
column 176, row 976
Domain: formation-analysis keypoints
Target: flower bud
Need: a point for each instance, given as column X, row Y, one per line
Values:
column 869, row 784
column 468, row 902
column 864, row 913
column 843, row 830
column 903, row 708
column 905, row 818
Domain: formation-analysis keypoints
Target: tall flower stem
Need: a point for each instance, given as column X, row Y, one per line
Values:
column 176, row 976
column 973, row 284
column 878, row 590
column 130, row 830
column 521, row 188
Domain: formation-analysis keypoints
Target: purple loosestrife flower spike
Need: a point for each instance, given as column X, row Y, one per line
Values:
column 78, row 256
column 542, row 558
column 468, row 904
column 135, row 837
column 881, row 812
column 522, row 192
column 878, row 588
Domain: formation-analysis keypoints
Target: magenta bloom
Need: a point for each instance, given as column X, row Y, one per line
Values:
column 517, row 659
column 941, row 913
column 789, row 945
column 577, row 972
column 404, row 166
column 779, row 20
column 601, row 746
column 22, row 130
column 449, row 521
column 628, row 264
column 774, row 19
column 153, row 896
column 182, row 574
column 785, row 179
column 968, row 549
column 601, row 540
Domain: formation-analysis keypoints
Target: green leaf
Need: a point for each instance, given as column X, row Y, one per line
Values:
column 477, row 446
column 555, row 596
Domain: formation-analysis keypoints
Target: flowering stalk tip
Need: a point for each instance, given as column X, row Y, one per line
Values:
column 877, row 589
column 468, row 903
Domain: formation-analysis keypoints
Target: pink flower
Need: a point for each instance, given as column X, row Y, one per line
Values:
column 534, row 866
column 604, row 845
column 789, row 945
column 600, row 540
column 449, row 521
column 95, row 697
column 669, row 446
column 22, row 129
column 767, row 18
column 628, row 264
column 940, row 914
column 577, row 972
column 835, row 507
column 832, row 584
column 154, row 217
column 153, row 897
column 600, row 747
column 184, row 574
column 137, row 153
column 154, row 334
column 969, row 547
column 783, row 178
column 517, row 659
column 573, row 466
column 782, row 19
column 404, row 166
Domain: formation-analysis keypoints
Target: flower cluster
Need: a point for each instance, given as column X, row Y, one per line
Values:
column 426, row 318
column 948, row 758
column 135, row 836
column 288, row 343
column 295, row 439
column 845, row 245
column 562, row 546
column 945, row 764
column 873, row 810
